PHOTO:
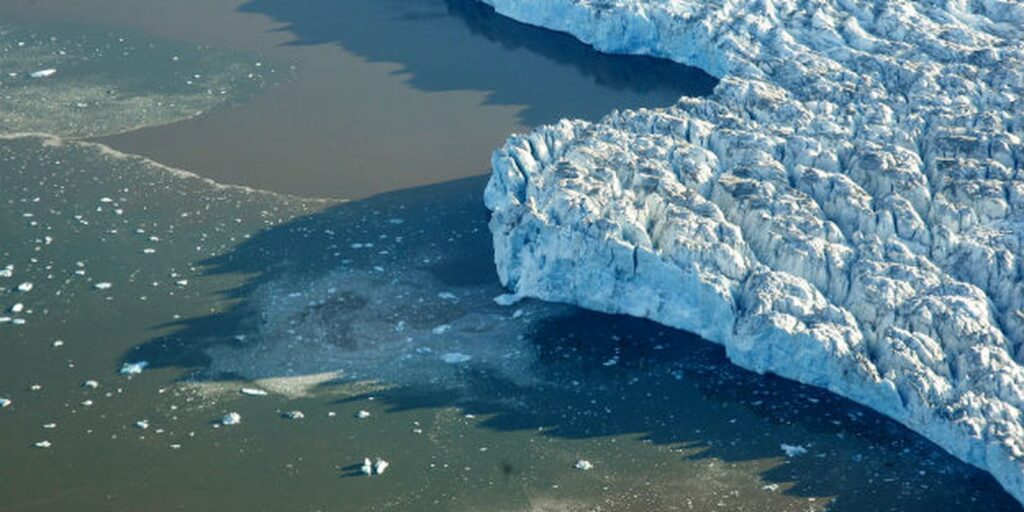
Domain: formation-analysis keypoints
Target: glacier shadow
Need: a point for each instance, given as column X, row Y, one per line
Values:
column 457, row 45
column 592, row 375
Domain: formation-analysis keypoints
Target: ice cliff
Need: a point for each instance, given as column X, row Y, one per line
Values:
column 846, row 210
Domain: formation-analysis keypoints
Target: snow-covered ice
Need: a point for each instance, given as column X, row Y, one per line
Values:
column 380, row 466
column 5, row 402
column 846, row 210
column 253, row 392
column 583, row 465
column 25, row 287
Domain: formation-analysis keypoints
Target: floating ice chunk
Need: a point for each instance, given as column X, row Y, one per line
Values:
column 7, row 272
column 102, row 286
column 455, row 357
column 231, row 418
column 36, row 387
column 5, row 402
column 253, row 392
column 43, row 444
column 58, row 343
column 18, row 321
column 441, row 329
column 91, row 384
column 43, row 73
column 363, row 414
column 367, row 467
column 507, row 299
column 380, row 466
column 295, row 415
column 4, row 319
column 793, row 450
column 25, row 287
column 134, row 368
column 447, row 296
column 49, row 426
column 181, row 282
column 17, row 308
column 142, row 424
column 583, row 465
column 148, row 250
column 87, row 403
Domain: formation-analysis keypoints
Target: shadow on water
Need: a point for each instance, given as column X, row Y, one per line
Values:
column 448, row 45
column 595, row 375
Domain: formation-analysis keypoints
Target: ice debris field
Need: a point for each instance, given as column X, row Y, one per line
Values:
column 845, row 210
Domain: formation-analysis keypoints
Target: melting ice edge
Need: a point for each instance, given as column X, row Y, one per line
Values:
column 846, row 210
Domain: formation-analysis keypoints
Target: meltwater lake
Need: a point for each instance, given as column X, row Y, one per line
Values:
column 285, row 197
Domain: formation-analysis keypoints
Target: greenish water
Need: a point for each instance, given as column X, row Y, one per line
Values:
column 381, row 305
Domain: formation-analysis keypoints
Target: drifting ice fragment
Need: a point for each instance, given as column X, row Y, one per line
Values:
column 17, row 308
column 455, row 358
column 43, row 444
column 253, row 392
column 134, row 368
column 294, row 415
column 43, row 73
column 583, row 465
column 91, row 384
column 367, row 467
column 25, row 287
column 4, row 402
column 102, row 286
column 507, row 299
column 441, row 329
column 380, row 466
column 231, row 418
column 142, row 424
column 363, row 414
column 793, row 450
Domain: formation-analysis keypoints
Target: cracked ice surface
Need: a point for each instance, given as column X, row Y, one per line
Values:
column 845, row 210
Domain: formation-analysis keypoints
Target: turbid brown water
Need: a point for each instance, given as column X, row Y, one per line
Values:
column 380, row 304
column 388, row 93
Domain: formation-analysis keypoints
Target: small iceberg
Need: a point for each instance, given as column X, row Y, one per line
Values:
column 5, row 402
column 583, row 465
column 793, row 450
column 253, row 392
column 134, row 368
column 43, row 73
column 231, row 418
column 455, row 358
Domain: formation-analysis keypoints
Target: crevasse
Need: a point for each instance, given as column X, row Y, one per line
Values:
column 846, row 210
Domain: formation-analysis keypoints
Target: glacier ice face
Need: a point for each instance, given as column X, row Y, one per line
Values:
column 846, row 210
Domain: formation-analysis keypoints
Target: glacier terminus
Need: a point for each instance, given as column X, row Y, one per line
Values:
column 845, row 210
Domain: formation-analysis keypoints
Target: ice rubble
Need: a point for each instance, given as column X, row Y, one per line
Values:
column 845, row 210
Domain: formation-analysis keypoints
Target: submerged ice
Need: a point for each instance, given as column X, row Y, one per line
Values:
column 845, row 210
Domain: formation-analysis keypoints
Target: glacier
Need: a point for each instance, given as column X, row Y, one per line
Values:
column 845, row 210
